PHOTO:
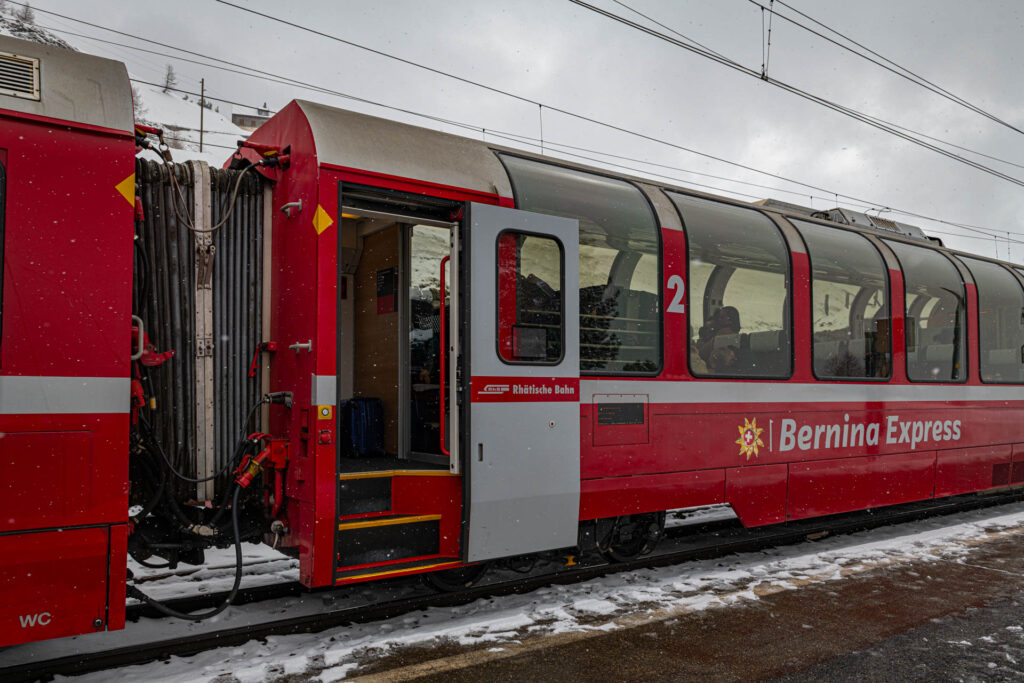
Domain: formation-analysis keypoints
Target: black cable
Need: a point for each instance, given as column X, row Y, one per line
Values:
column 134, row 592
column 153, row 440
column 150, row 565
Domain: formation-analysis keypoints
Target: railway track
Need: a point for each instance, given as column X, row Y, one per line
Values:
column 285, row 609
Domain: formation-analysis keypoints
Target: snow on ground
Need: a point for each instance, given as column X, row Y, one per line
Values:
column 263, row 566
column 613, row 602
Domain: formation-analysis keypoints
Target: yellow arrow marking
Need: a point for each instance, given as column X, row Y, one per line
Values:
column 321, row 220
column 127, row 189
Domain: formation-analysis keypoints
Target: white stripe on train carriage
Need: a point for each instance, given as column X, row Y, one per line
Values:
column 696, row 392
column 767, row 391
column 21, row 395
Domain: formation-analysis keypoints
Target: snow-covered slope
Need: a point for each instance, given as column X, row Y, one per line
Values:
column 176, row 114
column 10, row 25
column 179, row 118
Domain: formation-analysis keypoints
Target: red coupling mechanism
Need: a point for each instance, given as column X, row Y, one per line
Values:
column 250, row 468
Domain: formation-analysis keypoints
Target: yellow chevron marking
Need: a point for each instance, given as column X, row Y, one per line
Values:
column 127, row 189
column 321, row 220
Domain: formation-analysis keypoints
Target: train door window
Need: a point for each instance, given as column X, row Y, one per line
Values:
column 849, row 304
column 738, row 278
column 620, row 268
column 936, row 315
column 428, row 245
column 1000, row 322
column 530, row 298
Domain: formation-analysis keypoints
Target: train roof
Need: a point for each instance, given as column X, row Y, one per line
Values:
column 350, row 139
column 45, row 80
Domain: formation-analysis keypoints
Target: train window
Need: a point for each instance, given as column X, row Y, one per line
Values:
column 530, row 304
column 935, row 315
column 738, row 277
column 849, row 304
column 620, row 269
column 3, row 230
column 1000, row 322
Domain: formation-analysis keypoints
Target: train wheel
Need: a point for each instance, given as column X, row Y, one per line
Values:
column 454, row 580
column 633, row 535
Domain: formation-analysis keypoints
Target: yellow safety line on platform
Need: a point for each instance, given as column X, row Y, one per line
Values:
column 395, row 473
column 396, row 572
column 388, row 521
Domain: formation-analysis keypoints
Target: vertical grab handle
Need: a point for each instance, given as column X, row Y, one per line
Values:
column 137, row 353
column 444, row 352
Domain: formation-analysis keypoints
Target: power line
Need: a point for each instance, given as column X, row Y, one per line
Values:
column 895, row 68
column 842, row 109
column 764, row 70
column 267, row 76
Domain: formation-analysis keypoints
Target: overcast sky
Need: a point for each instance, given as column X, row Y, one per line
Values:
column 568, row 57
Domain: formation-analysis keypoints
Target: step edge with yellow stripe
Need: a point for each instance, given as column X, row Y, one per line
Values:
column 345, row 476
column 398, row 572
column 389, row 521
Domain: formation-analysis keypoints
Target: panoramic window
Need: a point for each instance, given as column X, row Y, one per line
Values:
column 849, row 304
column 620, row 270
column 3, row 226
column 739, row 291
column 936, row 318
column 1000, row 322
column 530, row 295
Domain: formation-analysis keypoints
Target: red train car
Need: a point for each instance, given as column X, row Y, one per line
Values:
column 67, row 195
column 557, row 355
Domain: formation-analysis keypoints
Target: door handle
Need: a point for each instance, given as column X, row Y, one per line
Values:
column 444, row 351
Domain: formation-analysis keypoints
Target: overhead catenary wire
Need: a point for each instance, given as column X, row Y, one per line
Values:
column 888, row 65
column 872, row 121
column 263, row 75
column 834, row 106
column 676, row 33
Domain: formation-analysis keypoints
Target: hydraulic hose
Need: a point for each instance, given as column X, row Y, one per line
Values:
column 161, row 607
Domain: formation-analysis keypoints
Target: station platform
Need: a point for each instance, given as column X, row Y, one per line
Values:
column 943, row 618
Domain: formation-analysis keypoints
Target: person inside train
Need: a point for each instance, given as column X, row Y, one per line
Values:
column 718, row 340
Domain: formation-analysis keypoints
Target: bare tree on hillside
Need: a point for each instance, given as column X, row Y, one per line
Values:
column 26, row 14
column 170, row 79
column 137, row 107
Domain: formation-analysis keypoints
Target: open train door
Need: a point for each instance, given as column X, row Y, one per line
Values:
column 521, row 337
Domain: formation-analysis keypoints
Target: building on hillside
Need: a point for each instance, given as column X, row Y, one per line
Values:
column 249, row 118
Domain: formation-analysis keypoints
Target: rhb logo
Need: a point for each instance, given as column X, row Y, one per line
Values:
column 494, row 389
column 40, row 619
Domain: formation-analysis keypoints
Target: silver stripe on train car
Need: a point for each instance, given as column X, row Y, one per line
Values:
column 690, row 392
column 64, row 395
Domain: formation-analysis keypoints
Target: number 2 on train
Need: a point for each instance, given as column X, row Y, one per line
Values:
column 676, row 285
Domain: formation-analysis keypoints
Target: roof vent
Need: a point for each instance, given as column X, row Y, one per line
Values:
column 19, row 76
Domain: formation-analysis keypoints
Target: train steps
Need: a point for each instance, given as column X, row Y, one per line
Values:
column 396, row 522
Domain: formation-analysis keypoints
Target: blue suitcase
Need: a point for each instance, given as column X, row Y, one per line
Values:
column 365, row 420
